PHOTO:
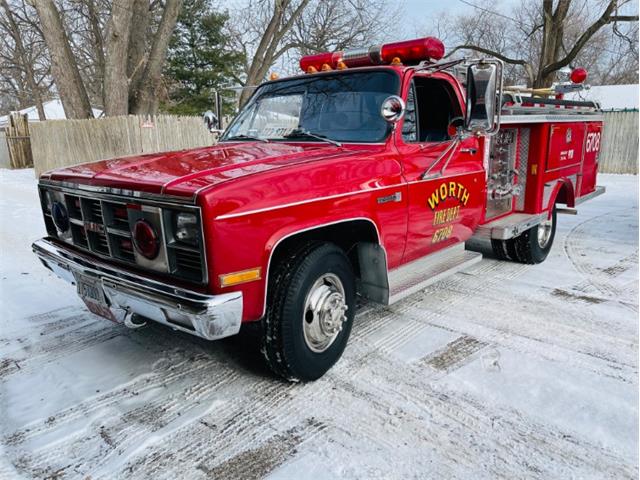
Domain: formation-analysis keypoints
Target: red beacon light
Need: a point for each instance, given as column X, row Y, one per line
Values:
column 410, row 52
column 578, row 75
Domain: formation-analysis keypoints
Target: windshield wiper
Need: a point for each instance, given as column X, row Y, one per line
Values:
column 301, row 132
column 246, row 137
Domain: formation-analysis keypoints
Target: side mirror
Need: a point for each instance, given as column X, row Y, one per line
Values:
column 484, row 97
column 392, row 109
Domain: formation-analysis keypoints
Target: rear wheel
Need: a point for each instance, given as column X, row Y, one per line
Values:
column 531, row 246
column 310, row 312
column 534, row 245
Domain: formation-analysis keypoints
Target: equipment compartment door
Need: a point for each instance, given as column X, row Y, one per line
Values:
column 589, row 170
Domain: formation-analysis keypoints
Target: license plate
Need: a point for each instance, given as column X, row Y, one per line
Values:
column 90, row 289
column 91, row 292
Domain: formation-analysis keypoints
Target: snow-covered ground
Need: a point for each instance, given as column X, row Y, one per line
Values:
column 505, row 370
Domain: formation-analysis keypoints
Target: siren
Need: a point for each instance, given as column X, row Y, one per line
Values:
column 409, row 52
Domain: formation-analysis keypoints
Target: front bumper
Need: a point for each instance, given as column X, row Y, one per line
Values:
column 207, row 316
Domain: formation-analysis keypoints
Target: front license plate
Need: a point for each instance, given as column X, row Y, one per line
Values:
column 90, row 291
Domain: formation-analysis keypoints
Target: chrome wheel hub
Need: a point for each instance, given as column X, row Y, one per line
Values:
column 544, row 232
column 324, row 312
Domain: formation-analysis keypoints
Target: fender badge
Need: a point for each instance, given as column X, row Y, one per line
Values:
column 568, row 137
column 396, row 197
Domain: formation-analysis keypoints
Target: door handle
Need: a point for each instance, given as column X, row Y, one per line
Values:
column 472, row 151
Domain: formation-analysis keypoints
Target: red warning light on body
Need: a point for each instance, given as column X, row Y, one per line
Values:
column 578, row 75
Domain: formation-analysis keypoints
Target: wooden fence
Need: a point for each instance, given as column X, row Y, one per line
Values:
column 619, row 149
column 18, row 141
column 58, row 143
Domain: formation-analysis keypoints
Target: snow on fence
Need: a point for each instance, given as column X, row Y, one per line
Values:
column 619, row 150
column 59, row 143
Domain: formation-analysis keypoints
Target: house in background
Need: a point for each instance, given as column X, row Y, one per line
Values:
column 53, row 110
column 610, row 97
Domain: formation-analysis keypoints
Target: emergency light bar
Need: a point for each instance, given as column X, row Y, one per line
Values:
column 407, row 52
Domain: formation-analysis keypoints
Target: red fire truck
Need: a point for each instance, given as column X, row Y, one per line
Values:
column 363, row 176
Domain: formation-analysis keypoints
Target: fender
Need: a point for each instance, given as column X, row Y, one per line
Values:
column 278, row 237
column 563, row 189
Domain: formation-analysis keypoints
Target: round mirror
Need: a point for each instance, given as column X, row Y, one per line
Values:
column 392, row 109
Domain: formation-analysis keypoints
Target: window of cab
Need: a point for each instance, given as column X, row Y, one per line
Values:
column 342, row 106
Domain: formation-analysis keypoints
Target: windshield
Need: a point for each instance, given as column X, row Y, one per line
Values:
column 344, row 107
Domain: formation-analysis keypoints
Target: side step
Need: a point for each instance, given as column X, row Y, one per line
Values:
column 508, row 227
column 414, row 276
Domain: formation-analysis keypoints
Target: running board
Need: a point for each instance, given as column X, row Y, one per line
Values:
column 419, row 274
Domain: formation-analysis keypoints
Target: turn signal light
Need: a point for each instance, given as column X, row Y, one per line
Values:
column 240, row 277
column 410, row 52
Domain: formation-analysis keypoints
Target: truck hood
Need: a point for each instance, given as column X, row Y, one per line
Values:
column 186, row 172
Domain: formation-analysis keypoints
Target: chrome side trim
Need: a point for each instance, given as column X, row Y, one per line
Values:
column 207, row 316
column 559, row 118
column 303, row 202
column 315, row 227
column 136, row 196
column 596, row 193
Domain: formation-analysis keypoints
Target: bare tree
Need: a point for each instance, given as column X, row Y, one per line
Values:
column 333, row 25
column 21, row 72
column 63, row 64
column 145, row 97
column 109, row 51
column 116, row 88
column 266, row 29
column 539, row 38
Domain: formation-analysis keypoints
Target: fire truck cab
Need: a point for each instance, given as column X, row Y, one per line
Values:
column 364, row 176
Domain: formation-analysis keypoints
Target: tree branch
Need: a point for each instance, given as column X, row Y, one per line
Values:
column 513, row 61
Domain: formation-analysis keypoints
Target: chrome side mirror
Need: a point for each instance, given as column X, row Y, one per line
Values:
column 392, row 109
column 484, row 97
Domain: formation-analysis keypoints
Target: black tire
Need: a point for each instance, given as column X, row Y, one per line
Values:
column 527, row 248
column 283, row 342
column 501, row 249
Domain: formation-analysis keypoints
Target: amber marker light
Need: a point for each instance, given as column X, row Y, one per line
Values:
column 244, row 276
column 274, row 76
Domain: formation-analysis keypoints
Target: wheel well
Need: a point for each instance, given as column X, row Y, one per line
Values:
column 345, row 235
column 565, row 195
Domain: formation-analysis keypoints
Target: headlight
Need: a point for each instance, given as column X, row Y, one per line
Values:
column 186, row 228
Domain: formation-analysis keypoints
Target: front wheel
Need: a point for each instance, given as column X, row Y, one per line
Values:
column 310, row 312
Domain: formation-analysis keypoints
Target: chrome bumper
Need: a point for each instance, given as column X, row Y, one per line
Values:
column 207, row 316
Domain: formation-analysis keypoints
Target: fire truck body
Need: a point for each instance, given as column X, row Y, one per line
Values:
column 263, row 225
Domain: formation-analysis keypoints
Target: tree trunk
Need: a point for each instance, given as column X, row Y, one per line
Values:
column 137, row 44
column 116, row 87
column 64, row 68
column 267, row 52
column 26, row 63
column 145, row 98
column 96, row 35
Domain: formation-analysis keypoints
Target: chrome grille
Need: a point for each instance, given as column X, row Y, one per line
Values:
column 103, row 227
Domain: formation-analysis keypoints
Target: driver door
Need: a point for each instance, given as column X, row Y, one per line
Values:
column 445, row 175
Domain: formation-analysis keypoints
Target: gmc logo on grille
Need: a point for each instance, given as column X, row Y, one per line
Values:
column 94, row 227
